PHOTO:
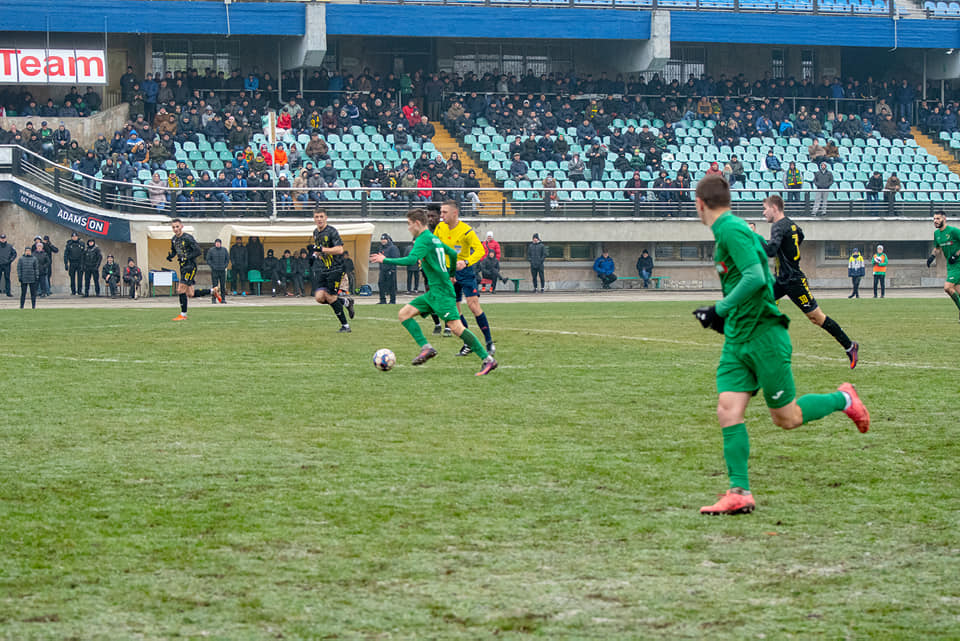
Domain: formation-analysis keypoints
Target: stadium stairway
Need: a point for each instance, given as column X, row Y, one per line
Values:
column 936, row 149
column 491, row 202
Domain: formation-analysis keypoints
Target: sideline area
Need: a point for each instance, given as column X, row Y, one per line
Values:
column 594, row 296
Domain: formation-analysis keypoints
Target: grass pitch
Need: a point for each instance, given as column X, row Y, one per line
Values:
column 250, row 475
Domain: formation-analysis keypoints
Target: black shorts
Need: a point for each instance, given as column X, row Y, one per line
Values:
column 465, row 284
column 799, row 293
column 329, row 281
column 188, row 274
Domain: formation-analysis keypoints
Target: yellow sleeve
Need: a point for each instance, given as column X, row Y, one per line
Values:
column 472, row 244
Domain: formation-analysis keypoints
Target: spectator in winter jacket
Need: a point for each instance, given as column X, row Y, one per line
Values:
column 238, row 267
column 604, row 268
column 645, row 267
column 92, row 258
column 874, row 186
column 7, row 255
column 490, row 270
column 28, row 273
column 271, row 271
column 536, row 256
column 218, row 258
column 822, row 181
column 111, row 276
column 132, row 277
column 73, row 263
column 43, row 266
column 254, row 253
column 491, row 245
column 387, row 283
column 856, row 270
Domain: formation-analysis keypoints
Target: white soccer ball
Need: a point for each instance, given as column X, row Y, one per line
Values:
column 384, row 360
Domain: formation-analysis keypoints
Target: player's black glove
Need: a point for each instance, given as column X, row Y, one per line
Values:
column 170, row 257
column 953, row 259
column 930, row 259
column 709, row 318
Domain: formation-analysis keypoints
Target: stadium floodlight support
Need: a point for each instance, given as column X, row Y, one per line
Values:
column 226, row 6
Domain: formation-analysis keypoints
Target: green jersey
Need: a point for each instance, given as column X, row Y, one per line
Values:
column 948, row 240
column 737, row 248
column 432, row 254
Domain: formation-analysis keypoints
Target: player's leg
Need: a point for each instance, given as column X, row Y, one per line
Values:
column 770, row 357
column 471, row 341
column 473, row 302
column 418, row 306
column 736, row 383
column 182, row 295
column 950, row 286
column 818, row 318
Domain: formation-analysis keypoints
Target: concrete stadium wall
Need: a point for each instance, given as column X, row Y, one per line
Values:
column 21, row 226
column 85, row 130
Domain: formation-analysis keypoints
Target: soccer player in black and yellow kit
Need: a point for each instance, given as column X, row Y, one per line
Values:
column 326, row 269
column 756, row 347
column 785, row 240
column 438, row 261
column 184, row 247
column 947, row 240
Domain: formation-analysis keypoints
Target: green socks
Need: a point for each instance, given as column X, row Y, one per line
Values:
column 473, row 343
column 411, row 326
column 816, row 406
column 956, row 299
column 736, row 451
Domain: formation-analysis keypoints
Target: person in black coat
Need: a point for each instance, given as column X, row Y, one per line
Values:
column 218, row 258
column 73, row 262
column 238, row 266
column 91, row 267
column 645, row 267
column 111, row 276
column 255, row 254
column 536, row 256
column 7, row 255
column 387, row 283
column 28, row 273
column 132, row 277
column 43, row 265
column 271, row 270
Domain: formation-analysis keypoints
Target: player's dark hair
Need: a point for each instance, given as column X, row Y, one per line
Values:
column 775, row 200
column 417, row 216
column 714, row 191
column 940, row 212
column 319, row 210
column 451, row 203
column 176, row 220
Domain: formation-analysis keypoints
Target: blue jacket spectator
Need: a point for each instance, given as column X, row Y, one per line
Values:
column 603, row 266
column 252, row 83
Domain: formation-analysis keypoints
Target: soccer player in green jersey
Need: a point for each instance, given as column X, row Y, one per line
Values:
column 440, row 298
column 947, row 240
column 756, row 347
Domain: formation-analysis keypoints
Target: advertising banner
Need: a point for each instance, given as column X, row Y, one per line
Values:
column 53, row 66
column 103, row 226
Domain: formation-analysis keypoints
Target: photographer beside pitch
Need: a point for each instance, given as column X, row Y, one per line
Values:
column 947, row 240
column 756, row 348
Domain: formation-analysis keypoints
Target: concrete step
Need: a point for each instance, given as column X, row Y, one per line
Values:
column 491, row 202
column 936, row 149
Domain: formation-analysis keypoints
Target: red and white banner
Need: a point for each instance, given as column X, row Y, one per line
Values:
column 53, row 66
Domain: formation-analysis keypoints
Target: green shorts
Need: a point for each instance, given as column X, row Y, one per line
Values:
column 432, row 302
column 761, row 362
column 953, row 274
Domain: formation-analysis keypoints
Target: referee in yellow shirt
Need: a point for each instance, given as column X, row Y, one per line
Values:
column 457, row 234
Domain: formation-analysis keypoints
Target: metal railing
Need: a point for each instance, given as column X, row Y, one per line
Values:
column 273, row 202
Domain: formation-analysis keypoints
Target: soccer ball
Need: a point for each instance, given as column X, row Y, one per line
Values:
column 384, row 360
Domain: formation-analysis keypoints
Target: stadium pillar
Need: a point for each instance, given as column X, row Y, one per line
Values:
column 642, row 55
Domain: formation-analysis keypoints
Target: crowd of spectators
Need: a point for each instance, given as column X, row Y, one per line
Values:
column 173, row 109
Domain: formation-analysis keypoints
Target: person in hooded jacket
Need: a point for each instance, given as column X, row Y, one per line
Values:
column 43, row 268
column 28, row 273
column 92, row 258
column 111, row 276
column 7, row 255
column 271, row 271
column 238, row 267
column 73, row 262
column 255, row 254
column 218, row 258
column 490, row 270
column 387, row 282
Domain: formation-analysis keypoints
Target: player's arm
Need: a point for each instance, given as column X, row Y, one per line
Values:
column 418, row 251
column 173, row 251
column 752, row 279
column 451, row 259
column 193, row 249
column 776, row 237
column 933, row 255
column 477, row 250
